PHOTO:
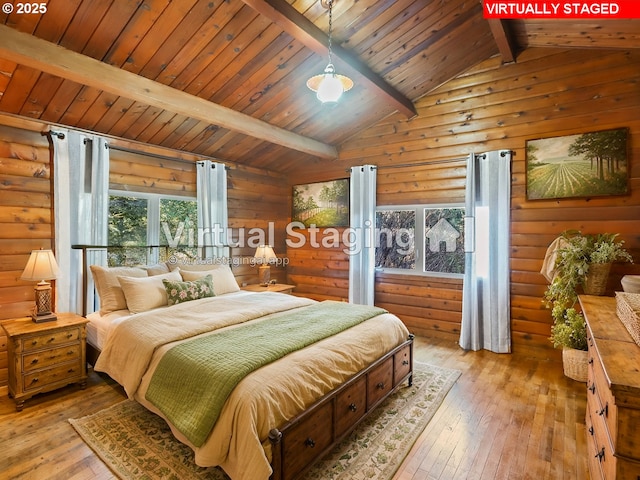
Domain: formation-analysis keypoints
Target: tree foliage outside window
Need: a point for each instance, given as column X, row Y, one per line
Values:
column 396, row 239
column 420, row 239
column 127, row 228
column 136, row 222
column 179, row 227
column 444, row 240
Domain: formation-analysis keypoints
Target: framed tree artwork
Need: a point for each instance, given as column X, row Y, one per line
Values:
column 583, row 165
column 323, row 204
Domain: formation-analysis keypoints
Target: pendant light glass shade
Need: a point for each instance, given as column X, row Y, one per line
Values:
column 329, row 86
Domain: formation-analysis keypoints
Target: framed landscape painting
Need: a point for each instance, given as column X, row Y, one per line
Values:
column 323, row 204
column 583, row 165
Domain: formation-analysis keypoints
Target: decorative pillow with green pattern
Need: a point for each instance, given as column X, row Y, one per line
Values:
column 179, row 292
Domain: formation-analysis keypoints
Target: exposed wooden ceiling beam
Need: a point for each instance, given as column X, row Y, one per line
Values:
column 304, row 30
column 41, row 55
column 504, row 39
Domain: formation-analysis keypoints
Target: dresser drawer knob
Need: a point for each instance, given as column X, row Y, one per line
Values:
column 34, row 361
column 310, row 443
column 69, row 335
column 590, row 360
column 353, row 407
column 52, row 339
column 405, row 362
column 35, row 380
column 380, row 386
column 71, row 370
column 592, row 388
column 34, row 343
column 600, row 455
column 591, row 430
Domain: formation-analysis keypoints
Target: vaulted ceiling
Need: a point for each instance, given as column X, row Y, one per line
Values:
column 227, row 79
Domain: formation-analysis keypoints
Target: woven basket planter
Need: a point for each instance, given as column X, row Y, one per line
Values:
column 596, row 281
column 575, row 364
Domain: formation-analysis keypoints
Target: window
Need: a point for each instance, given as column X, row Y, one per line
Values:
column 420, row 239
column 139, row 220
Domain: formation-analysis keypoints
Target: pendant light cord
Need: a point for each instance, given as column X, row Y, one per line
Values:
column 330, row 26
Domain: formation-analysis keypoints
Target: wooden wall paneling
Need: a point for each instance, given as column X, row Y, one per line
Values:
column 490, row 107
column 256, row 197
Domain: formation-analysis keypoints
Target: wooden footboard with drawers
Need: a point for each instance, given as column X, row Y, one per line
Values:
column 312, row 434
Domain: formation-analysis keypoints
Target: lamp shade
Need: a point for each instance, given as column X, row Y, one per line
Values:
column 42, row 265
column 329, row 86
column 265, row 254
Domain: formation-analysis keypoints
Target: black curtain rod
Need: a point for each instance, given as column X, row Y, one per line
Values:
column 163, row 157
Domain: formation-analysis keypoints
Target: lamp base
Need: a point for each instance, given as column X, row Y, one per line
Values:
column 264, row 275
column 45, row 317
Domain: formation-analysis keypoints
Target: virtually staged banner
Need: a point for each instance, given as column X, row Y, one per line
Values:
column 589, row 9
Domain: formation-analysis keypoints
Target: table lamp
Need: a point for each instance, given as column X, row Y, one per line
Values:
column 264, row 256
column 42, row 266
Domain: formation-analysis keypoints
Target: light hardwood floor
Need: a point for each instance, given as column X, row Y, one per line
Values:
column 508, row 417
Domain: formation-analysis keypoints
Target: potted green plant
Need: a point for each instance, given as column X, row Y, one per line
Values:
column 582, row 264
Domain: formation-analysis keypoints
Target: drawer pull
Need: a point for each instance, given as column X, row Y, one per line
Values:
column 604, row 411
column 380, row 386
column 34, row 343
column 600, row 455
column 591, row 430
column 405, row 362
column 353, row 407
column 35, row 380
column 71, row 370
column 591, row 361
column 52, row 339
column 34, row 361
column 310, row 443
column 71, row 352
column 592, row 388
column 69, row 335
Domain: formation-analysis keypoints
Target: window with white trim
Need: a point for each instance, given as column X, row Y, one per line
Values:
column 138, row 220
column 420, row 239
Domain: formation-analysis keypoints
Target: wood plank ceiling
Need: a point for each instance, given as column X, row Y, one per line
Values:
column 226, row 79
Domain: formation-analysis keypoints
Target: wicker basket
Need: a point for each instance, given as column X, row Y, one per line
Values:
column 596, row 281
column 575, row 364
column 628, row 310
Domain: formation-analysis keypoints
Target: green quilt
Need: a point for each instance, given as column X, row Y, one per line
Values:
column 194, row 379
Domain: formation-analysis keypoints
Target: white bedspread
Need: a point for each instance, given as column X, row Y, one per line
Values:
column 266, row 398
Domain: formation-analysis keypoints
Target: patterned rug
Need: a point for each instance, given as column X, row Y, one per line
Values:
column 136, row 444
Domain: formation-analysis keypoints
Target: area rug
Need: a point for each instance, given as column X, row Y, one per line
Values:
column 136, row 444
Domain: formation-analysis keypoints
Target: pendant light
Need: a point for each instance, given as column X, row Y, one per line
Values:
column 329, row 85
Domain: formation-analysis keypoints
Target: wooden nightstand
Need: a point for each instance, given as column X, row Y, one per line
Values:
column 274, row 287
column 45, row 356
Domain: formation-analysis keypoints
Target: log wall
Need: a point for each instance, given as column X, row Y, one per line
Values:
column 255, row 198
column 493, row 106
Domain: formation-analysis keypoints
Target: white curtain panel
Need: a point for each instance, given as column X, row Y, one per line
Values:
column 212, row 209
column 362, row 222
column 486, row 322
column 81, row 210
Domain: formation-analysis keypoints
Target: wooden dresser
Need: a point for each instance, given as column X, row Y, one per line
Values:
column 45, row 356
column 613, row 393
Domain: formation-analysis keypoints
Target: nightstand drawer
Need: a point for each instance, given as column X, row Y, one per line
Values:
column 65, row 374
column 45, row 356
column 55, row 337
column 54, row 356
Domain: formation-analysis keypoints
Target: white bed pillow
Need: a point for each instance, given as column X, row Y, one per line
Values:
column 146, row 293
column 223, row 279
column 108, row 287
column 158, row 269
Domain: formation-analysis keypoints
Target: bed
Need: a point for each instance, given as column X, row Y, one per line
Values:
column 296, row 398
